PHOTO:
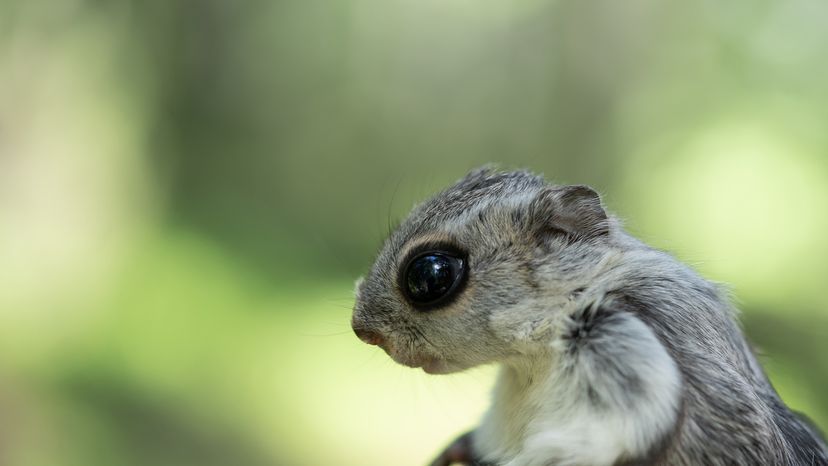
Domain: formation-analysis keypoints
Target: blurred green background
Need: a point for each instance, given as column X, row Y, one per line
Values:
column 188, row 190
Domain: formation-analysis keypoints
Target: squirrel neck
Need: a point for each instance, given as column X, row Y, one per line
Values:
column 523, row 386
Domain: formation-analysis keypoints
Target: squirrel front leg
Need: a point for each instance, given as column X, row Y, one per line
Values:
column 460, row 451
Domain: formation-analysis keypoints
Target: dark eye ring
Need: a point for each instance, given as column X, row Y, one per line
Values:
column 433, row 277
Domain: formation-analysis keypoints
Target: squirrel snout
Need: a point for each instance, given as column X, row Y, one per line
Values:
column 368, row 336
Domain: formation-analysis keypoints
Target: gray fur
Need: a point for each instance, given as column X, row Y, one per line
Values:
column 585, row 321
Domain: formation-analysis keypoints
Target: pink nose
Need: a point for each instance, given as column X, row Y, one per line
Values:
column 369, row 336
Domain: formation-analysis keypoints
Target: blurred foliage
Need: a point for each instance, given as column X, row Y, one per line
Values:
column 188, row 189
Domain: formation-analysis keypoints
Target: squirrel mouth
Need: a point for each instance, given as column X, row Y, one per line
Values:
column 429, row 364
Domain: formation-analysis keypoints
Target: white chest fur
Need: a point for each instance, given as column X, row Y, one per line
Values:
column 613, row 397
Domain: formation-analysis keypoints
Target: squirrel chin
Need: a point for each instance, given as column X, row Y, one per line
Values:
column 430, row 365
column 437, row 366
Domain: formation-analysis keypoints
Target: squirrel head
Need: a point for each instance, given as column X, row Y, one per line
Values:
column 482, row 271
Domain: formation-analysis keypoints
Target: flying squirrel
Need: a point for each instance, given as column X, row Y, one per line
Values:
column 610, row 352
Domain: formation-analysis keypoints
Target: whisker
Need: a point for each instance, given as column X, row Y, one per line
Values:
column 334, row 334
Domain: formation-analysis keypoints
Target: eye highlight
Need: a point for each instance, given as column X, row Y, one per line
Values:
column 433, row 277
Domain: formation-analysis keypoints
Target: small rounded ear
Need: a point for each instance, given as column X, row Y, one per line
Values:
column 574, row 211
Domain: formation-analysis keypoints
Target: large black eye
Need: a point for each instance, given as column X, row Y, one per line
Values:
column 432, row 277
